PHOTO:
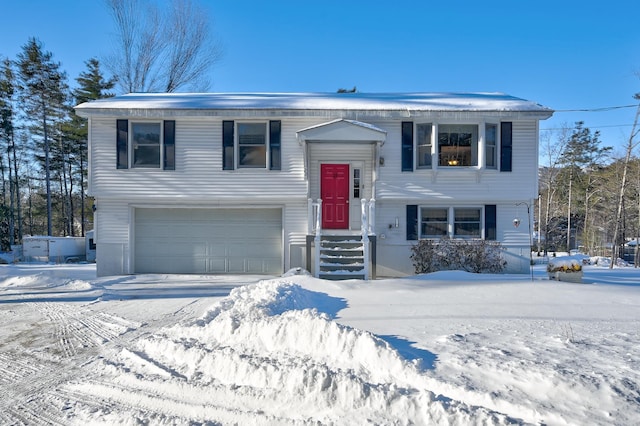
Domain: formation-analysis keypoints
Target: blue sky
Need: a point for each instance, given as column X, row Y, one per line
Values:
column 568, row 55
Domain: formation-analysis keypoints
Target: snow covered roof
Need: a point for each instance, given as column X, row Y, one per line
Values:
column 300, row 102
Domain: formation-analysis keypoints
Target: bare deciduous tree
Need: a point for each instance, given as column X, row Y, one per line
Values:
column 618, row 223
column 161, row 51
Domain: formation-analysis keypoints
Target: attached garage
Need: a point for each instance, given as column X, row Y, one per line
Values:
column 208, row 241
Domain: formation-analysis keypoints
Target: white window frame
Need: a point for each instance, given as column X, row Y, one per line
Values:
column 423, row 164
column 132, row 145
column 479, row 146
column 480, row 222
column 451, row 222
column 237, row 145
column 451, row 159
column 495, row 146
column 448, row 222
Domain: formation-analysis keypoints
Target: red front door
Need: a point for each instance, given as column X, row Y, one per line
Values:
column 334, row 191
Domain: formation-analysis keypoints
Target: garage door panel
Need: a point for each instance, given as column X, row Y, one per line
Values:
column 208, row 241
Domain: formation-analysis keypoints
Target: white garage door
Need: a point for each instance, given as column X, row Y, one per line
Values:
column 201, row 241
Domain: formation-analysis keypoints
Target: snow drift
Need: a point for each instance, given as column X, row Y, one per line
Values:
column 267, row 345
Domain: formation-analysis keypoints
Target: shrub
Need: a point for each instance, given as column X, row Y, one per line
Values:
column 477, row 256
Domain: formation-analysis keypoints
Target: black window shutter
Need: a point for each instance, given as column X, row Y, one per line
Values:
column 274, row 144
column 506, row 146
column 490, row 222
column 227, row 145
column 412, row 222
column 169, row 145
column 407, row 146
column 122, row 141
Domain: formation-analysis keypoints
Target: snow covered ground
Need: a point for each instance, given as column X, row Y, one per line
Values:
column 442, row 348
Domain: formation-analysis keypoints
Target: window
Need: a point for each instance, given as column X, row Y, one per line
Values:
column 457, row 145
column 454, row 222
column 435, row 222
column 356, row 183
column 490, row 141
column 252, row 145
column 467, row 223
column 424, row 145
column 145, row 144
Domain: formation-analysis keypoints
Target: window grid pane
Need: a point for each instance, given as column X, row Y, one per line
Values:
column 435, row 222
column 467, row 223
column 252, row 156
column 252, row 133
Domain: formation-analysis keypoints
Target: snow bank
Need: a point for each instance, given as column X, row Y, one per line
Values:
column 269, row 356
column 43, row 280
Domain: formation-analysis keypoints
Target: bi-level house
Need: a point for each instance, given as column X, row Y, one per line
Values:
column 339, row 184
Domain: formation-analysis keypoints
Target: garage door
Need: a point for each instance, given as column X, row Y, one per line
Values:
column 201, row 241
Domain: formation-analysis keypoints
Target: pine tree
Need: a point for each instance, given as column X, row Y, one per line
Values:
column 43, row 95
column 92, row 85
column 581, row 156
column 7, row 136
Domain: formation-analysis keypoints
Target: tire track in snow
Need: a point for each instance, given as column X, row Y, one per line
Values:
column 32, row 376
column 28, row 389
column 75, row 329
column 166, row 403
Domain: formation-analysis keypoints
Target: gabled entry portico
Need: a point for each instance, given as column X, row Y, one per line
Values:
column 341, row 167
column 341, row 159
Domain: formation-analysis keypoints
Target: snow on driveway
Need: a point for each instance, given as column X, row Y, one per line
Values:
column 444, row 348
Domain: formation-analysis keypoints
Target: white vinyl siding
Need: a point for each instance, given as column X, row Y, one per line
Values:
column 461, row 183
column 198, row 172
column 199, row 182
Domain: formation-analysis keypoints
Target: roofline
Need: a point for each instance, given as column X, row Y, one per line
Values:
column 327, row 105
column 321, row 113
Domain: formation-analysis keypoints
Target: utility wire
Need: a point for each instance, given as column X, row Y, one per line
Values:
column 591, row 127
column 603, row 109
column 611, row 108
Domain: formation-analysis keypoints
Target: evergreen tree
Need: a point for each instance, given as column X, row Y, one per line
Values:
column 92, row 85
column 581, row 156
column 43, row 95
column 9, row 161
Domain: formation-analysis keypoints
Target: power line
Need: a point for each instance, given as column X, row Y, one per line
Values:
column 591, row 127
column 611, row 108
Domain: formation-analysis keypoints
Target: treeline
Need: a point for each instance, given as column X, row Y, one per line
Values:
column 584, row 201
column 43, row 145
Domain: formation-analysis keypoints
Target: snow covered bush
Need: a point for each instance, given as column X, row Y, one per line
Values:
column 477, row 256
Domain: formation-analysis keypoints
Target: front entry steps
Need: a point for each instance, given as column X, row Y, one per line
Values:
column 341, row 257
